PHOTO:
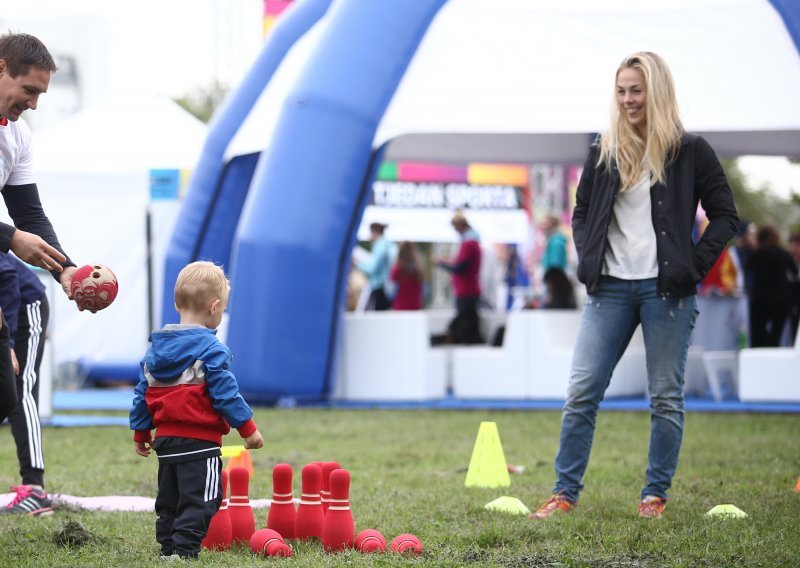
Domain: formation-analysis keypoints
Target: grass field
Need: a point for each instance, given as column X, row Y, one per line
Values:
column 408, row 471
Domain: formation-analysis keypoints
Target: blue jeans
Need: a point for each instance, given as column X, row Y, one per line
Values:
column 609, row 320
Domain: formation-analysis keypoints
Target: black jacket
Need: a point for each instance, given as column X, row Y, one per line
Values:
column 694, row 176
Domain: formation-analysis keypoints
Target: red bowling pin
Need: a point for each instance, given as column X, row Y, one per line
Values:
column 219, row 533
column 338, row 532
column 325, row 490
column 243, row 523
column 282, row 515
column 310, row 515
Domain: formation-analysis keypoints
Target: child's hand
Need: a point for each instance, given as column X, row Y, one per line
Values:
column 143, row 449
column 254, row 441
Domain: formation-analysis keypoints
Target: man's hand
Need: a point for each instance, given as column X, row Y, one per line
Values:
column 254, row 441
column 35, row 251
column 14, row 362
column 65, row 278
column 142, row 448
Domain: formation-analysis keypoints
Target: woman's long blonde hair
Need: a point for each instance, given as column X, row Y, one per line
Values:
column 623, row 145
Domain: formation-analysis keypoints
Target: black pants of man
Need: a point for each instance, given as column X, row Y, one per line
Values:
column 465, row 328
column 24, row 419
column 189, row 494
column 378, row 302
column 8, row 385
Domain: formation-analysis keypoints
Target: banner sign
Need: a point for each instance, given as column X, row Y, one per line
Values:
column 444, row 186
column 445, row 195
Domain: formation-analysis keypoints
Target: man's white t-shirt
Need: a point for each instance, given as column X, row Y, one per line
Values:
column 16, row 160
column 631, row 252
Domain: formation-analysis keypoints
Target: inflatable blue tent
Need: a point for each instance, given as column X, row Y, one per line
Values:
column 285, row 174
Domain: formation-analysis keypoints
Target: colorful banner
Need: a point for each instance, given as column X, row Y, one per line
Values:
column 273, row 9
column 448, row 186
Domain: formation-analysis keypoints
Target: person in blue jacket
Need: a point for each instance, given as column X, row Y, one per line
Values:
column 187, row 392
column 23, row 300
column 377, row 269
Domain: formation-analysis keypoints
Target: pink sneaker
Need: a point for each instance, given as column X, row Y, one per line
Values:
column 29, row 501
column 652, row 507
column 553, row 505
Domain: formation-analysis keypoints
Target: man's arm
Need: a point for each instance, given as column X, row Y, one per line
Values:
column 32, row 238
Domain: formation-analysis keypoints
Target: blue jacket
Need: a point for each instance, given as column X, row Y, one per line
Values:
column 380, row 264
column 186, row 388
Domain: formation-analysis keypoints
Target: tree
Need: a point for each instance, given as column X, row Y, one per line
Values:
column 760, row 205
column 203, row 102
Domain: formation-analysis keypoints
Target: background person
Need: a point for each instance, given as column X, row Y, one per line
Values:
column 408, row 276
column 771, row 296
column 559, row 292
column 464, row 272
column 555, row 249
column 794, row 285
column 632, row 224
column 376, row 269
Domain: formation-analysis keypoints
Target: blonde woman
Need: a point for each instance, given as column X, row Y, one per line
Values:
column 632, row 225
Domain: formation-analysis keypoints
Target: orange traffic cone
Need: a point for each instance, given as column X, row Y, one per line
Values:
column 797, row 487
column 241, row 459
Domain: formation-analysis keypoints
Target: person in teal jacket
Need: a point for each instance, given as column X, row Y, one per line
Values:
column 555, row 251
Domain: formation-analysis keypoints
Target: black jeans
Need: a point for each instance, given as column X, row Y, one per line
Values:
column 466, row 326
column 378, row 302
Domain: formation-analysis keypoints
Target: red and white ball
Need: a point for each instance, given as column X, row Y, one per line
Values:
column 370, row 540
column 406, row 544
column 94, row 287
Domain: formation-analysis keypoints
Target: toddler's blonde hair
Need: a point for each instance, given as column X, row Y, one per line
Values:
column 199, row 284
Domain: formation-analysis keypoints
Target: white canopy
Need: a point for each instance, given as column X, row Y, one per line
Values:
column 541, row 74
column 124, row 133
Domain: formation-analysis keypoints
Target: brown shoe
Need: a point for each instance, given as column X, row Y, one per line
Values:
column 555, row 504
column 651, row 507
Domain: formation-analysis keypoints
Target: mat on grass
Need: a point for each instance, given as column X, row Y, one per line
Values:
column 114, row 502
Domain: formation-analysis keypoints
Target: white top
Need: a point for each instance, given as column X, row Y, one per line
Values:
column 16, row 161
column 631, row 241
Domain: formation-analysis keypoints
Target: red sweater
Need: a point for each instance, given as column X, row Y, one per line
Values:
column 466, row 270
column 409, row 289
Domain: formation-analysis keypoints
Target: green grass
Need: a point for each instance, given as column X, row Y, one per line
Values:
column 407, row 471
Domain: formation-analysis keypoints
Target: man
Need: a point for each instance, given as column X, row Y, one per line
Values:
column 465, row 271
column 25, row 71
column 377, row 268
